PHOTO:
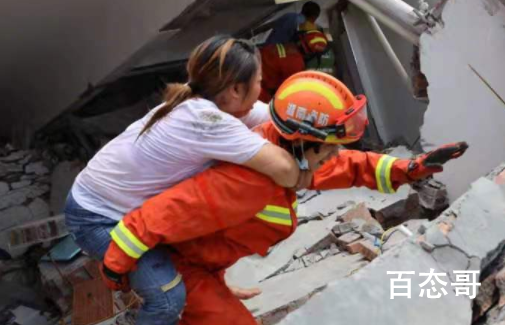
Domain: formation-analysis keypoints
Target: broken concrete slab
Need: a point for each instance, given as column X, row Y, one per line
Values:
column 6, row 169
column 288, row 291
column 14, row 216
column 476, row 234
column 20, row 184
column 19, row 196
column 37, row 168
column 28, row 316
column 330, row 202
column 39, row 209
column 15, row 156
column 250, row 270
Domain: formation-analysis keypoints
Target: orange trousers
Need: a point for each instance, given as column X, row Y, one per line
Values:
column 210, row 302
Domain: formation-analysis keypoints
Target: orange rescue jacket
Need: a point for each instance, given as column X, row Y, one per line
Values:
column 278, row 62
column 228, row 211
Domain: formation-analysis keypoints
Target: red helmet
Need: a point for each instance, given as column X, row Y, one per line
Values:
column 313, row 41
column 315, row 106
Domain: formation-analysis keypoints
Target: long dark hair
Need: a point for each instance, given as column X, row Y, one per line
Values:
column 214, row 65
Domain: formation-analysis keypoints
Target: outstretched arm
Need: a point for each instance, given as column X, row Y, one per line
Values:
column 381, row 172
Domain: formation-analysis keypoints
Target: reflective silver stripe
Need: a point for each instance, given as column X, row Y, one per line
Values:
column 383, row 174
column 126, row 244
column 276, row 215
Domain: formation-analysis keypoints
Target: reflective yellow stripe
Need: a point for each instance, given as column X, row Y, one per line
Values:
column 123, row 237
column 281, row 50
column 295, row 206
column 312, row 31
column 274, row 220
column 318, row 40
column 315, row 87
column 275, row 214
column 172, row 283
column 274, row 208
column 383, row 174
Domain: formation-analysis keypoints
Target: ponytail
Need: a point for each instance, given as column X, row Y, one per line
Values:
column 217, row 63
column 175, row 94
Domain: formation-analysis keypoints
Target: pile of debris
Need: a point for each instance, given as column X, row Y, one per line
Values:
column 33, row 187
column 339, row 233
column 26, row 198
column 339, row 258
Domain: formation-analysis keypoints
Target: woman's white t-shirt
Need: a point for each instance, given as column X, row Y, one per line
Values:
column 127, row 171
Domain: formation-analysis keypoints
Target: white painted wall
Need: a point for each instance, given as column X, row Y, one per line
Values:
column 461, row 106
column 398, row 116
column 52, row 49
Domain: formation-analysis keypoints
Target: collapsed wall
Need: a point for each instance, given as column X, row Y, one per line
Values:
column 463, row 62
column 467, row 237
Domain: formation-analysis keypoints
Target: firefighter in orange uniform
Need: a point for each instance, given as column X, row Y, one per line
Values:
column 280, row 61
column 228, row 212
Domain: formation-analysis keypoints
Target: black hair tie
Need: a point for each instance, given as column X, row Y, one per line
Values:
column 194, row 86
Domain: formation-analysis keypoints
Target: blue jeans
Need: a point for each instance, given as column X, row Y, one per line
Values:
column 154, row 269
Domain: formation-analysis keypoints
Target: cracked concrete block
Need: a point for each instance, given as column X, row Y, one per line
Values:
column 436, row 237
column 28, row 177
column 311, row 258
column 15, row 156
column 295, row 265
column 12, row 198
column 19, row 196
column 14, row 216
column 325, row 242
column 39, row 209
column 21, row 184
column 477, row 231
column 280, row 291
column 340, row 201
column 36, row 168
column 250, row 270
column 6, row 169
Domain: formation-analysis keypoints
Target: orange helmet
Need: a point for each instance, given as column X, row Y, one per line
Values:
column 315, row 106
column 313, row 41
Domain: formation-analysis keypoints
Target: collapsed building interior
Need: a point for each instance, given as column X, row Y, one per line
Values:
column 426, row 85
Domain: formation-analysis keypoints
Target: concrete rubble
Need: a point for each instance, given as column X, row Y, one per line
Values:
column 338, row 234
column 26, row 189
column 467, row 236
